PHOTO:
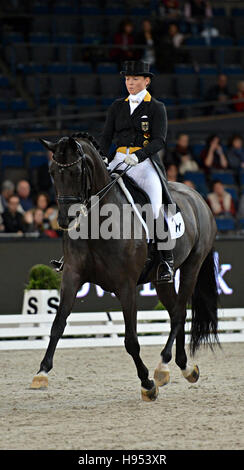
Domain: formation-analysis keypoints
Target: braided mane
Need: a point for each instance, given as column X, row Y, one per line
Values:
column 85, row 135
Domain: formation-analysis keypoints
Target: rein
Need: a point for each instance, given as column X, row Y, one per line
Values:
column 85, row 200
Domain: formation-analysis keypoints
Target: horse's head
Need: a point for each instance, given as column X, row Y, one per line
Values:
column 69, row 171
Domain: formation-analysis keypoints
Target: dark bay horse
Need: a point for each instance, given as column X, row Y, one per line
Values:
column 79, row 172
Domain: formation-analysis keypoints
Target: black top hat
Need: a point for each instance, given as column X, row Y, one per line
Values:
column 133, row 67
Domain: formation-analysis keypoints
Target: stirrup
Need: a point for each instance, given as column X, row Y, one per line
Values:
column 167, row 273
column 58, row 265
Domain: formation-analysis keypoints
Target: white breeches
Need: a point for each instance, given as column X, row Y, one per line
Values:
column 146, row 177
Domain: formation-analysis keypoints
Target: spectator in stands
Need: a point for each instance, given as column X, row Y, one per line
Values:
column 7, row 191
column 195, row 9
column 167, row 49
column 239, row 96
column 147, row 37
column 13, row 219
column 220, row 201
column 235, row 153
column 176, row 37
column 24, row 191
column 38, row 224
column 172, row 173
column 212, row 156
column 171, row 8
column 124, row 39
column 189, row 183
column 220, row 93
column 182, row 156
column 49, row 213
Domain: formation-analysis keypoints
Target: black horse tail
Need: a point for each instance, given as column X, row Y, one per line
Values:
column 205, row 306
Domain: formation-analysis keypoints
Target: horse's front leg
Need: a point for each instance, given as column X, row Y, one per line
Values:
column 127, row 297
column 71, row 283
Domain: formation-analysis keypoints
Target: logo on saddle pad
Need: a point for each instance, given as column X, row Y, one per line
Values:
column 176, row 225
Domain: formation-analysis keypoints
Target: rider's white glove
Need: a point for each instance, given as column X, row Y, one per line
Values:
column 131, row 159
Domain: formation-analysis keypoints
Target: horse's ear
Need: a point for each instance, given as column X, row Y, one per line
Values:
column 49, row 145
column 73, row 144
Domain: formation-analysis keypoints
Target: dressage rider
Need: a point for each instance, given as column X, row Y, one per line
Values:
column 137, row 125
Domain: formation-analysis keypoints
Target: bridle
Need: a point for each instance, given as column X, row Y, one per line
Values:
column 84, row 172
column 85, row 199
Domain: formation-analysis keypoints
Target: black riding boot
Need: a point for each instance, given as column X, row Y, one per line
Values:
column 165, row 269
column 58, row 265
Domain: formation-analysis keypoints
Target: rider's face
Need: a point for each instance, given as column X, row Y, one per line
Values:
column 135, row 84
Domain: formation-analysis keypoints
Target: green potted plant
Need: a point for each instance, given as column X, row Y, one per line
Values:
column 41, row 293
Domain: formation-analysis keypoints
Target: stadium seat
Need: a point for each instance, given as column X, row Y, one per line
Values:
column 234, row 192
column 9, row 160
column 32, row 146
column 225, row 176
column 36, row 159
column 7, row 145
column 185, row 87
column 107, row 67
column 225, row 224
column 242, row 178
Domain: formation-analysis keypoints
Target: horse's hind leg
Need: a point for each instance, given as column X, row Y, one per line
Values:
column 70, row 284
column 168, row 296
column 127, row 297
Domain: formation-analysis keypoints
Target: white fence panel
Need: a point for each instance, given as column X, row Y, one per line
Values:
column 101, row 329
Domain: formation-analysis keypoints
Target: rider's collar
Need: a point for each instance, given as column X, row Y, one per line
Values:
column 143, row 95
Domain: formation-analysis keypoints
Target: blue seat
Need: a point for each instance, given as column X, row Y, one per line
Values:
column 198, row 177
column 64, row 39
column 208, row 69
column 3, row 105
column 107, row 67
column 184, row 69
column 86, row 101
column 32, row 146
column 19, row 105
column 38, row 159
column 220, row 41
column 242, row 178
column 53, row 101
column 237, row 12
column 224, row 224
column 197, row 149
column 12, row 160
column 12, row 37
column 80, row 67
column 199, row 180
column 225, row 176
column 241, row 223
column 57, row 68
column 39, row 38
column 30, row 68
column 63, row 9
column 4, row 83
column 92, row 39
column 7, row 145
column 232, row 70
column 233, row 191
column 218, row 11
column 113, row 10
column 195, row 41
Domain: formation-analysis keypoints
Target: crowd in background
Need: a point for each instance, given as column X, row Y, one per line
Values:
column 25, row 212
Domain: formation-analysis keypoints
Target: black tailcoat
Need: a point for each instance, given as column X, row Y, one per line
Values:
column 146, row 127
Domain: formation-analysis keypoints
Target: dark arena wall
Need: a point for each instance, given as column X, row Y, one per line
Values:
column 18, row 256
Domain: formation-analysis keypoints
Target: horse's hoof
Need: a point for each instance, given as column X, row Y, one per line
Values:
column 161, row 375
column 40, row 382
column 193, row 375
column 149, row 395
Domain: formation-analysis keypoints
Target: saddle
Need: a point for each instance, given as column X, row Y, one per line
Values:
column 138, row 194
